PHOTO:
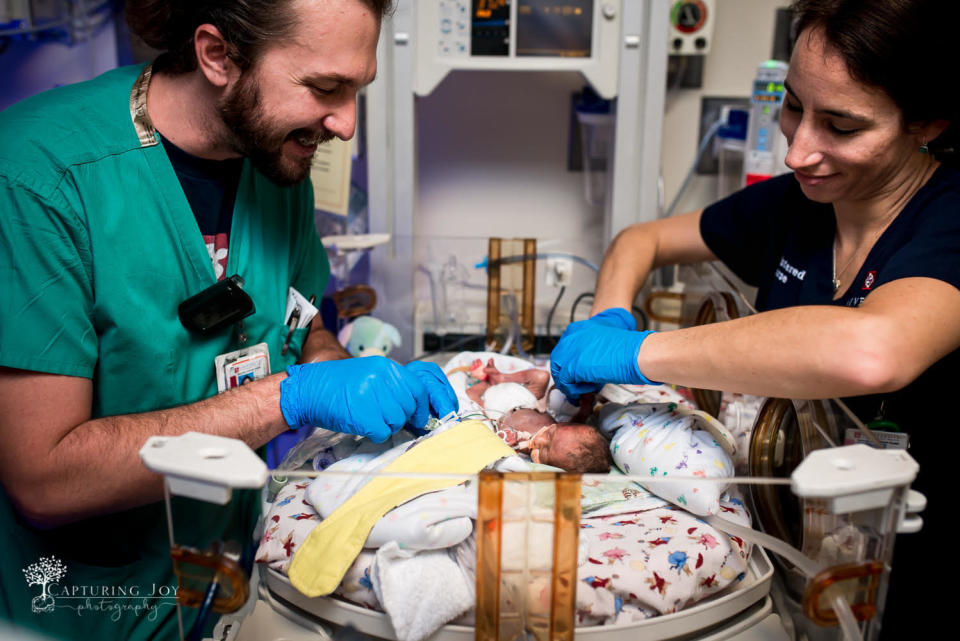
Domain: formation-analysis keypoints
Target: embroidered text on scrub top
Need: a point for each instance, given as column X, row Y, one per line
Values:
column 786, row 268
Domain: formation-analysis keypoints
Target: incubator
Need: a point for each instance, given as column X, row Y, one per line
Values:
column 723, row 516
column 454, row 535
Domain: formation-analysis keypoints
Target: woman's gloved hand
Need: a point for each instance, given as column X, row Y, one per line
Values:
column 371, row 396
column 614, row 317
column 602, row 349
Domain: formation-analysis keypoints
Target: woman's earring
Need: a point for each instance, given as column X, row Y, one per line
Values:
column 923, row 148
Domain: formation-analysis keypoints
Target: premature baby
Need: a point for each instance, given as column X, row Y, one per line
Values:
column 518, row 401
column 574, row 447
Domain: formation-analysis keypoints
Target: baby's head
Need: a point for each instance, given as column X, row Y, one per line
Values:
column 574, row 447
column 518, row 426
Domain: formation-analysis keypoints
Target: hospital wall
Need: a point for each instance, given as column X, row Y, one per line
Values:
column 742, row 39
column 29, row 66
column 492, row 159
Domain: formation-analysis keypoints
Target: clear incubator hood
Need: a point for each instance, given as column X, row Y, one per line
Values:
column 479, row 543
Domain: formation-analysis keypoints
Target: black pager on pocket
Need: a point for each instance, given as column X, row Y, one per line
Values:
column 218, row 306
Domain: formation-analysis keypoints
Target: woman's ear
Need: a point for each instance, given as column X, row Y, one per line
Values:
column 213, row 55
column 928, row 131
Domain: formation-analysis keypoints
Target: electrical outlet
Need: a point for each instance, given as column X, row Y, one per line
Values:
column 559, row 271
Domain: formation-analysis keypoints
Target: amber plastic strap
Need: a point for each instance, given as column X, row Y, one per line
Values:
column 662, row 318
column 222, row 569
column 864, row 609
column 529, row 292
column 489, row 512
column 493, row 290
column 566, row 533
column 725, row 308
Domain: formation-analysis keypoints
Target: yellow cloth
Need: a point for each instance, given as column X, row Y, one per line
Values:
column 319, row 564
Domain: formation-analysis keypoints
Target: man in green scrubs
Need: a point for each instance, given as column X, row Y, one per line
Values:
column 103, row 199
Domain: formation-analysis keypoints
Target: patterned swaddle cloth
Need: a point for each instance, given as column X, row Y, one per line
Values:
column 661, row 440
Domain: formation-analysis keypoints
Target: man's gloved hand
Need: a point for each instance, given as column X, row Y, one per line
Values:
column 443, row 399
column 371, row 396
column 602, row 349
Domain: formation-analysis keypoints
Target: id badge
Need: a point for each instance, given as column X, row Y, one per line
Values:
column 889, row 440
column 300, row 310
column 242, row 366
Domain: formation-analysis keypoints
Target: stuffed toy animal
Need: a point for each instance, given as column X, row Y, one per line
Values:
column 368, row 336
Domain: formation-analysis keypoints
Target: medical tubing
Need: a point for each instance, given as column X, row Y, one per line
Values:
column 196, row 632
column 521, row 258
column 804, row 563
column 308, row 448
column 166, row 501
column 553, row 308
column 707, row 137
column 637, row 312
column 576, row 303
column 639, row 479
column 733, row 287
column 433, row 295
column 667, row 275
column 506, row 346
column 515, row 337
column 848, row 622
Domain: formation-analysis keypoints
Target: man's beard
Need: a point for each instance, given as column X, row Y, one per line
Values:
column 260, row 140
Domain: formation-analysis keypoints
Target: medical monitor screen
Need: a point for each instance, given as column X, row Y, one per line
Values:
column 557, row 28
column 490, row 28
column 767, row 90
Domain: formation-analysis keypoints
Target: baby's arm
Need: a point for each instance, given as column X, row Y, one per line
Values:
column 476, row 390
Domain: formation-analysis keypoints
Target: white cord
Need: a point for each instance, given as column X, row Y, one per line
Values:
column 804, row 563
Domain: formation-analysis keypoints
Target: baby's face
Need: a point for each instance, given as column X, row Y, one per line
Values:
column 517, row 427
column 553, row 444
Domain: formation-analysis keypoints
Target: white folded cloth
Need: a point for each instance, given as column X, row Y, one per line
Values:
column 421, row 591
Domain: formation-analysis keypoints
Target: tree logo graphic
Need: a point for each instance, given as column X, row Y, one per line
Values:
column 44, row 572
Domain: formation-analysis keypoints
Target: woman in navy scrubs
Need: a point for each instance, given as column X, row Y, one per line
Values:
column 855, row 254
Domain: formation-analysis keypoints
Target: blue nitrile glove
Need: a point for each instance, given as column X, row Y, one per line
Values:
column 615, row 317
column 597, row 351
column 371, row 396
column 443, row 399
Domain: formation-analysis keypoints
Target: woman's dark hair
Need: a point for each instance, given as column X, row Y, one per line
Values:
column 248, row 25
column 905, row 48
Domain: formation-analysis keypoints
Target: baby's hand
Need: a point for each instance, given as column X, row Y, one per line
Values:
column 509, row 437
column 477, row 370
